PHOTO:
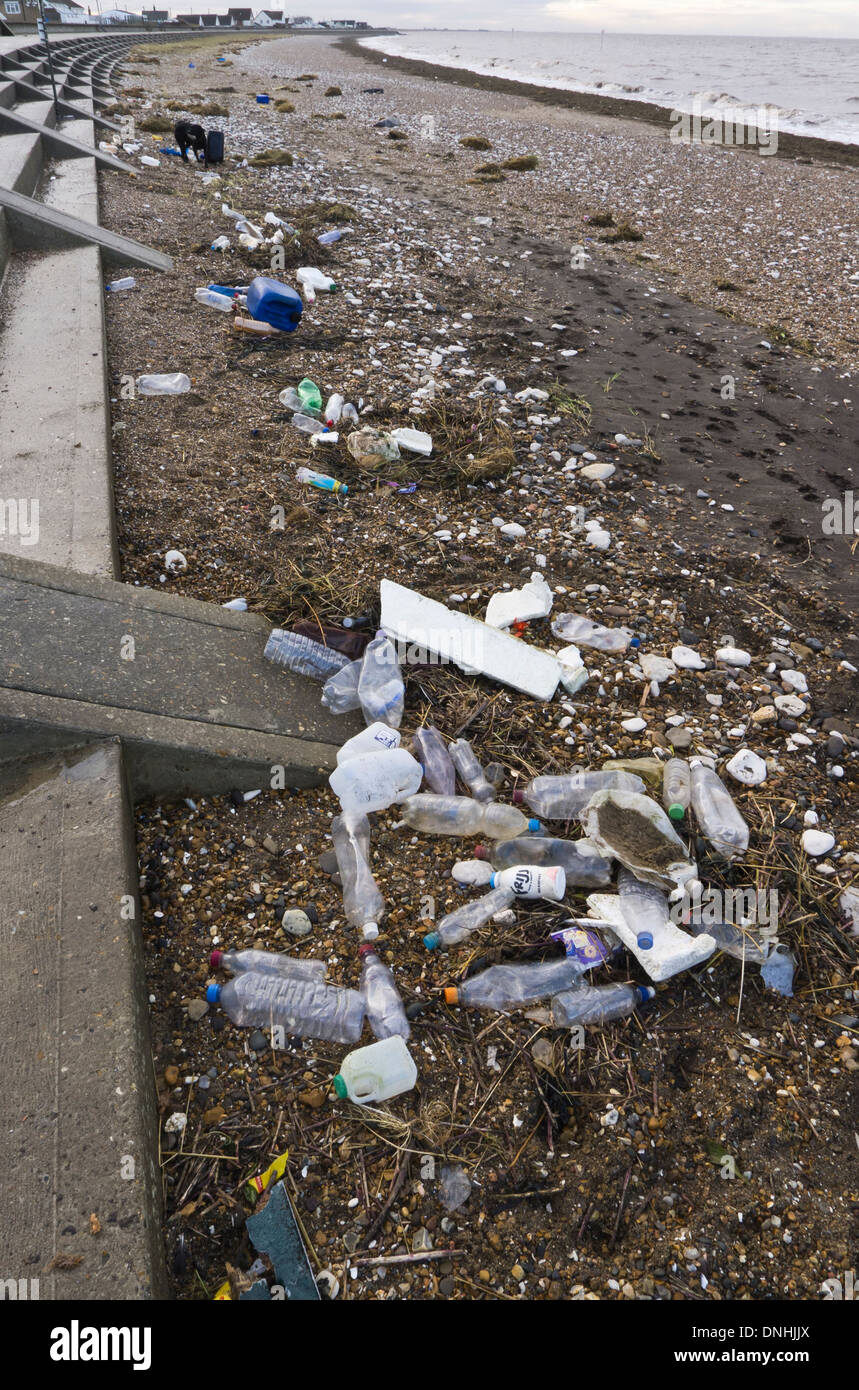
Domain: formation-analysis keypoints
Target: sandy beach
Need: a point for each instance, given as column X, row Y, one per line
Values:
column 595, row 1174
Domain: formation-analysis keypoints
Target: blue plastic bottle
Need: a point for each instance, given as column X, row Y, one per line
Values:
column 271, row 302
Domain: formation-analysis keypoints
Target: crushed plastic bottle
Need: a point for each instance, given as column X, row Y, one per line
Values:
column 454, row 1186
column 378, row 1072
column 778, row 969
column 382, row 1003
column 573, row 627
column 221, row 243
column 676, row 787
column 302, row 655
column 362, row 900
column 340, row 692
column 465, row 761
column 718, row 819
column 598, row 1003
column 644, row 907
column 458, row 925
column 561, row 798
column 290, row 399
column 320, row 480
column 431, row 751
column 374, row 781
column 507, row 987
column 380, row 685
column 266, row 963
column 460, row 815
column 306, row 1008
column 528, row 881
column 581, row 860
column 734, row 941
column 309, row 394
column 163, row 384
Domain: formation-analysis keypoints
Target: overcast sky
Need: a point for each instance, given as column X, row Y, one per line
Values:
column 820, row 18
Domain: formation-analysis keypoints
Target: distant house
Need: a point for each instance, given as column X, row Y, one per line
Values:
column 239, row 18
column 119, row 17
column 268, row 19
column 342, row 23
column 301, row 21
column 56, row 12
column 155, row 16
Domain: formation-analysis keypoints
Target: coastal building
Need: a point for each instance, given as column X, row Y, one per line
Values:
column 240, row 18
column 269, row 19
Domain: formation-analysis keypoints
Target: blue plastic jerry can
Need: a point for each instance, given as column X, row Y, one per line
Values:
column 271, row 302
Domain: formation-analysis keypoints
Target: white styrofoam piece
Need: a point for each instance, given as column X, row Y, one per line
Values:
column 473, row 646
column 673, row 950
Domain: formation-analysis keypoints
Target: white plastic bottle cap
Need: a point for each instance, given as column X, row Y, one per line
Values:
column 370, row 931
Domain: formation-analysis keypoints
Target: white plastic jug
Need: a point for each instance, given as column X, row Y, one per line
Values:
column 376, row 738
column 377, row 1072
column 374, row 781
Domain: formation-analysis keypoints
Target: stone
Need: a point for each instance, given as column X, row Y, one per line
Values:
column 197, row 1009
column 171, row 1075
column 422, row 1239
column 687, row 659
column 746, row 767
column 296, row 922
column 679, row 738
column 314, row 1098
column 734, row 656
column 817, row 842
column 258, row 1041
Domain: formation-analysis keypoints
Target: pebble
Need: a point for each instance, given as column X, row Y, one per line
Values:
column 747, row 767
column 817, row 842
column 734, row 656
column 296, row 922
column 197, row 1009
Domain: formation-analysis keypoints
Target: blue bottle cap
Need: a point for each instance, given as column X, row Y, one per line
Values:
column 534, row 825
column 635, row 641
column 645, row 941
column 432, row 940
column 493, row 880
column 213, row 994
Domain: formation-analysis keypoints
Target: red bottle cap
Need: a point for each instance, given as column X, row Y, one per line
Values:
column 481, row 852
column 215, row 959
column 517, row 798
column 366, row 949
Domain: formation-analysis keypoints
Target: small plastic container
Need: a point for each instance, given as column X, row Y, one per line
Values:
column 271, row 302
column 378, row 1072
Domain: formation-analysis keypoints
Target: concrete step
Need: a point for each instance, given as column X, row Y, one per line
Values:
column 198, row 709
column 78, row 1123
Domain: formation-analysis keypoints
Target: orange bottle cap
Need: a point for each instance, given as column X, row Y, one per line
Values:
column 451, row 994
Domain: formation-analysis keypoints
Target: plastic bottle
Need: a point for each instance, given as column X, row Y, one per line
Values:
column 374, row 781
column 163, row 384
column 127, row 283
column 221, row 243
column 526, row 881
column 431, row 751
column 310, row 278
column 506, row 987
column 362, row 900
column 306, row 1008
column 597, row 1003
column 561, row 798
column 267, row 963
column 470, row 771
column 307, row 424
column 572, row 627
column 380, row 685
column 378, row 1072
column 320, row 480
column 459, row 924
column 718, row 818
column 340, row 692
column 384, row 1007
column 329, row 238
column 309, row 394
column 460, row 815
column 644, row 908
column 302, row 655
column 333, row 409
column 582, row 862
column 291, row 399
column 376, row 738
column 214, row 300
column 676, row 787
column 735, row 942
column 349, row 411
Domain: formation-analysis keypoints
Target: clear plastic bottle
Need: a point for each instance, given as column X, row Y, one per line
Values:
column 597, row 1003
column 460, row 815
column 362, row 899
column 374, row 781
column 290, row 399
column 320, row 480
column 572, row 627
column 582, row 862
column 718, row 818
column 302, row 655
column 163, row 384
column 676, row 787
column 350, row 412
column 506, row 987
column 334, row 409
column 340, row 693
column 459, row 924
column 735, row 942
column 561, row 798
column 267, row 963
column 214, row 300
column 530, row 881
column 644, row 908
column 307, row 1008
column 377, row 1072
column 380, row 685
column 384, row 1007
column 465, row 761
column 307, row 423
column 431, row 751
column 127, row 283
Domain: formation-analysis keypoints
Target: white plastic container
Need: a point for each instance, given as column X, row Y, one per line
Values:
column 378, row 1072
column 531, row 881
column 374, row 781
column 376, row 738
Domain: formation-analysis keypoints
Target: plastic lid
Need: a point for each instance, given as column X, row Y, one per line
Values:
column 215, row 959
column 645, row 941
column 645, row 992
column 431, row 940
column 493, row 880
column 340, row 1087
column 517, row 798
column 481, row 852
column 676, row 811
column 366, row 949
column 370, row 931
column 213, row 994
column 451, row 994
column 534, row 824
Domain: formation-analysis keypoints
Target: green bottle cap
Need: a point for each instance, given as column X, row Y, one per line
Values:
column 340, row 1087
column 676, row 812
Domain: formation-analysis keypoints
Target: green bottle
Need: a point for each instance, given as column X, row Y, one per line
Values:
column 311, row 397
